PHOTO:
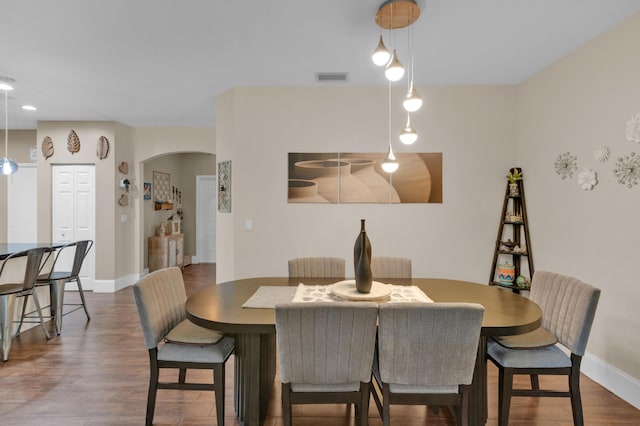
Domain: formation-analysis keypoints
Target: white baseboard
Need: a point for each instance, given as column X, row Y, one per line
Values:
column 111, row 286
column 615, row 380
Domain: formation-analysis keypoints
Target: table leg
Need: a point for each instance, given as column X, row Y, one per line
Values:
column 478, row 391
column 255, row 368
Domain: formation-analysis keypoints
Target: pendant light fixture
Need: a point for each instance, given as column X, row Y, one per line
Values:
column 413, row 101
column 408, row 136
column 393, row 15
column 390, row 163
column 381, row 55
column 394, row 70
column 7, row 165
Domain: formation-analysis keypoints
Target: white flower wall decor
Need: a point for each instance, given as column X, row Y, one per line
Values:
column 627, row 170
column 587, row 179
column 602, row 154
column 566, row 165
column 632, row 131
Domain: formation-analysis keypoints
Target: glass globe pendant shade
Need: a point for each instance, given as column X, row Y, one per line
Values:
column 6, row 83
column 390, row 164
column 8, row 166
column 395, row 70
column 413, row 101
column 380, row 55
column 408, row 136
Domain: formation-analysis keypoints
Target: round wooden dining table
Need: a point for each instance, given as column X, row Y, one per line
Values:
column 219, row 307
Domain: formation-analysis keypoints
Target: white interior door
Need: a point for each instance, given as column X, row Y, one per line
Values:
column 22, row 205
column 74, row 211
column 206, row 219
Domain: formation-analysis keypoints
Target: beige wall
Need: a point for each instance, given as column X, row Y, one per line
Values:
column 578, row 104
column 119, row 229
column 474, row 128
column 89, row 133
column 20, row 143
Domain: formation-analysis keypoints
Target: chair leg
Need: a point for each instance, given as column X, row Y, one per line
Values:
column 286, row 404
column 574, row 389
column 153, row 387
column 535, row 384
column 463, row 408
column 7, row 307
column 24, row 311
column 84, row 302
column 57, row 302
column 364, row 404
column 505, row 386
column 218, row 383
column 37, row 303
column 386, row 407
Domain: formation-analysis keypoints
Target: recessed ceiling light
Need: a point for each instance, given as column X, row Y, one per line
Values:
column 29, row 107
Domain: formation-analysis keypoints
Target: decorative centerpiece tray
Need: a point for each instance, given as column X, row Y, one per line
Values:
column 347, row 290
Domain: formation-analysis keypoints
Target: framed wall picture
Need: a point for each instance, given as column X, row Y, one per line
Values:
column 224, row 186
column 147, row 190
column 161, row 187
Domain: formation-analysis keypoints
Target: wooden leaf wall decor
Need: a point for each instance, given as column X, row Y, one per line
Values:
column 73, row 142
column 102, row 147
column 47, row 147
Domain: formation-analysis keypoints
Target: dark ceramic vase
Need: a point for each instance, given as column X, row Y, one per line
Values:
column 362, row 261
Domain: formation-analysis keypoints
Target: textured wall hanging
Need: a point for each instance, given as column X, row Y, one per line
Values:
column 602, row 154
column 587, row 179
column 632, row 131
column 102, row 147
column 124, row 167
column 224, row 186
column 47, row 147
column 627, row 170
column 161, row 187
column 73, row 142
column 566, row 165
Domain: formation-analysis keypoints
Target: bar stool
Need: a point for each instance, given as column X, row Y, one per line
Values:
column 10, row 291
column 56, row 280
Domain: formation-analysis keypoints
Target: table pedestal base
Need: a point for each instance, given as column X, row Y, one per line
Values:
column 255, row 370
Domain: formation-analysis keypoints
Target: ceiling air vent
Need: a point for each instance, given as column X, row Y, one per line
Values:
column 331, row 77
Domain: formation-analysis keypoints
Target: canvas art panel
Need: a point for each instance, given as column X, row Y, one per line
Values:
column 359, row 178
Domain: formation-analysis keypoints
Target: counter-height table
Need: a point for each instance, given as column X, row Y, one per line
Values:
column 7, row 249
column 219, row 307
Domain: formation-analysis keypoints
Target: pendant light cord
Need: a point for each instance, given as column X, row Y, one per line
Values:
column 6, row 125
column 389, row 105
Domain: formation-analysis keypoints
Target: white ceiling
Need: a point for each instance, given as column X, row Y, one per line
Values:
column 163, row 62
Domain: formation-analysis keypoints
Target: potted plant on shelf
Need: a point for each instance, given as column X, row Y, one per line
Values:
column 513, row 177
column 125, row 183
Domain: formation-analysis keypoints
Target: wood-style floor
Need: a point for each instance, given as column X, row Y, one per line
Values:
column 96, row 373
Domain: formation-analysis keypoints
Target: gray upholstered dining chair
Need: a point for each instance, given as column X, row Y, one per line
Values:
column 426, row 354
column 10, row 290
column 568, row 308
column 326, row 354
column 390, row 267
column 317, row 267
column 175, row 342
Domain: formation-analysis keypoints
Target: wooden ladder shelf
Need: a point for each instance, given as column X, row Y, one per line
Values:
column 513, row 243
